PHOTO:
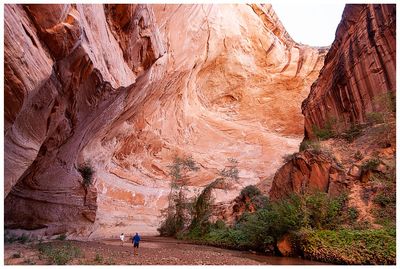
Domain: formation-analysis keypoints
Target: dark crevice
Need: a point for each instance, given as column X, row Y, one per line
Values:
column 29, row 35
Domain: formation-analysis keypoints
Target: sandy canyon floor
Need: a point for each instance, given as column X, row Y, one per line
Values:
column 153, row 251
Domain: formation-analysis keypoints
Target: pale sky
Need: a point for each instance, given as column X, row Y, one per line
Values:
column 310, row 23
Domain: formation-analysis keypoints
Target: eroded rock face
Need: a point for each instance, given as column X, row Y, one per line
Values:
column 359, row 68
column 125, row 88
column 309, row 171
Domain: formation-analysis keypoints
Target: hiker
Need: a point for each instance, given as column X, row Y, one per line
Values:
column 122, row 237
column 135, row 242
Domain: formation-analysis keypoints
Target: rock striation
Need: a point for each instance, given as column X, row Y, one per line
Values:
column 359, row 68
column 125, row 88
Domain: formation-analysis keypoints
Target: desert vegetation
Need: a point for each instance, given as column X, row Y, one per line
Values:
column 318, row 226
column 59, row 255
column 86, row 170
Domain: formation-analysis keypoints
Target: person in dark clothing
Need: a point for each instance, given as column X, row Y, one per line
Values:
column 135, row 242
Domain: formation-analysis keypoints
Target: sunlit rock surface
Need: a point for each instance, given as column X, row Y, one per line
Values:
column 127, row 87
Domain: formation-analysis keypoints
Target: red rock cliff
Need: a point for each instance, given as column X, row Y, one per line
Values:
column 360, row 66
column 126, row 87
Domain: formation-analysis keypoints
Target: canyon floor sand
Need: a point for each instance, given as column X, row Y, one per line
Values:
column 153, row 250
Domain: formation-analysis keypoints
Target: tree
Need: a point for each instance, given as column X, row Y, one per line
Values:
column 202, row 206
column 178, row 206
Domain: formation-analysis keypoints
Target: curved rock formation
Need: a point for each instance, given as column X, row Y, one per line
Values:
column 127, row 87
column 359, row 68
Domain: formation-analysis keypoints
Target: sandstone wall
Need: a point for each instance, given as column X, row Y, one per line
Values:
column 127, row 87
column 359, row 68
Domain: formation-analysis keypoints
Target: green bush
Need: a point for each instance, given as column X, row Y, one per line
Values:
column 353, row 132
column 385, row 106
column 326, row 131
column 316, row 223
column 371, row 164
column 374, row 118
column 11, row 238
column 179, row 207
column 250, row 191
column 98, row 258
column 312, row 145
column 323, row 211
column 323, row 133
column 353, row 214
column 256, row 198
column 262, row 229
column 304, row 145
column 170, row 226
column 348, row 246
column 219, row 224
column 59, row 255
column 384, row 199
column 202, row 209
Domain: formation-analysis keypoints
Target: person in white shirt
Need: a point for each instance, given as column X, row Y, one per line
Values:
column 122, row 237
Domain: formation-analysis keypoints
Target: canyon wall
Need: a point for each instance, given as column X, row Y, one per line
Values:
column 125, row 88
column 359, row 69
column 359, row 72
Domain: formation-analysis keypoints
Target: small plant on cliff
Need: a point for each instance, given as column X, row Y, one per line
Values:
column 304, row 145
column 374, row 118
column 326, row 131
column 288, row 157
column 314, row 146
column 86, row 171
column 352, row 133
column 230, row 171
column 371, row 164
